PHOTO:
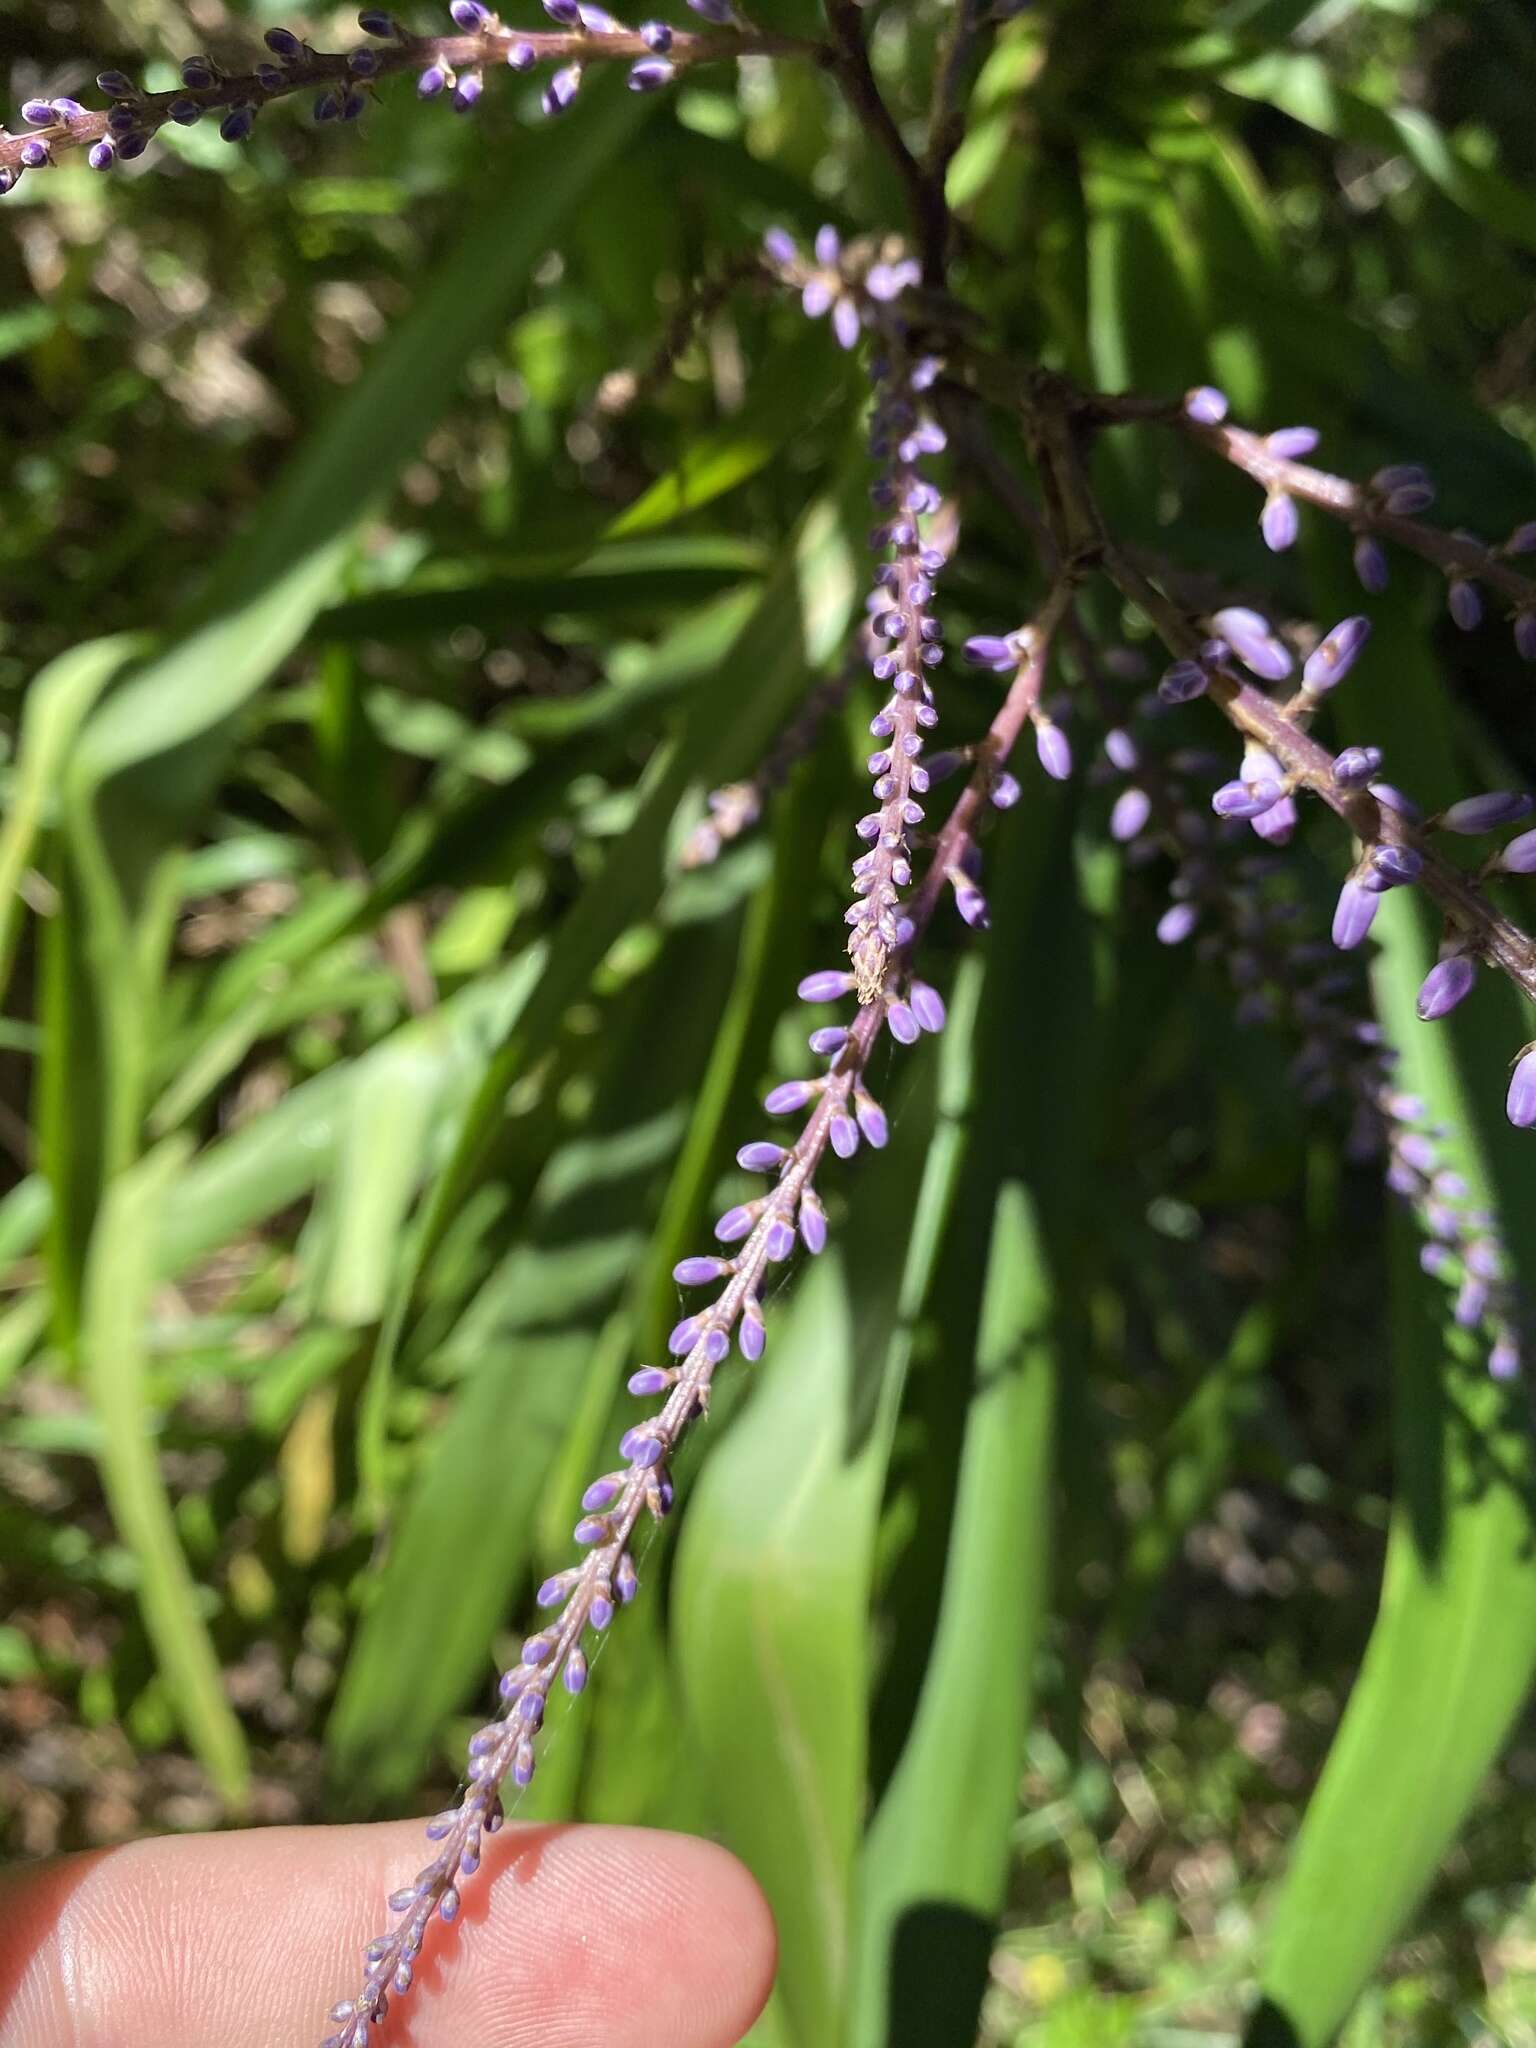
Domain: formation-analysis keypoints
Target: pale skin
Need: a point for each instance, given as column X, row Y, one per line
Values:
column 567, row 1937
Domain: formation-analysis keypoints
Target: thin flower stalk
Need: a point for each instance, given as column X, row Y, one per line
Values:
column 451, row 67
column 758, row 1235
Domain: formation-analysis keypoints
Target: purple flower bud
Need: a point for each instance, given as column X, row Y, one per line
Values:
column 650, row 74
column 600, row 1613
column 642, row 1449
column 1504, row 1358
column 1354, row 915
column 373, row 21
column 1132, row 809
column 657, row 37
column 1206, row 404
column 467, row 92
column 927, row 1006
column 990, row 650
column 1409, row 500
column 845, row 315
column 117, row 85
column 736, row 1223
column 237, row 124
column 872, row 1120
column 1495, row 807
column 589, row 1530
column 282, row 42
column 699, row 1272
column 554, row 1590
column 1176, row 923
column 566, row 12
column 684, row 1336
column 1525, row 635
column 121, row 120
column 429, row 85
column 101, row 155
column 34, row 155
column 1397, row 865
column 843, row 1133
column 625, row 1582
column 1520, row 1103
column 1279, row 522
column 762, row 1156
column 1251, row 639
column 575, row 1673
column 827, row 1042
column 1290, row 444
column 130, row 146
column 1371, row 564
column 1005, row 791
column 1247, row 799
column 824, row 986
column 751, row 1336
column 1465, row 603
column 1182, row 683
column 1519, row 857
column 1054, row 750
column 521, row 56
column 1354, row 768
column 790, row 1096
column 524, row 1762
column 813, row 1222
column 1335, row 654
column 828, row 246
column 815, row 298
column 654, row 1379
column 972, row 905
column 199, row 73
column 1122, row 750
column 562, row 89
column 901, row 1024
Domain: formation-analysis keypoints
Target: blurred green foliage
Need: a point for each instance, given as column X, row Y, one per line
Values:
column 374, row 624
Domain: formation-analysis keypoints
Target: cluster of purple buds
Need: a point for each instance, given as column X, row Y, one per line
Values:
column 1388, row 506
column 1010, row 654
column 1279, row 975
column 856, row 283
column 754, row 1235
column 452, row 66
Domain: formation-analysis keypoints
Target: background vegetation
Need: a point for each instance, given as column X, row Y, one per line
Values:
column 371, row 635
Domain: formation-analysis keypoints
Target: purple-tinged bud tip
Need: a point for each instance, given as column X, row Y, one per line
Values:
column 813, row 1222
column 1335, row 654
column 653, row 1379
column 1447, row 983
column 562, row 89
column 1520, row 1103
column 789, row 1096
column 642, row 1449
column 1354, row 915
column 1464, row 602
column 1054, row 750
column 1176, row 923
column 1279, row 522
column 927, row 1006
column 1206, row 404
column 1355, row 766
column 651, row 74
column 1133, row 807
column 902, row 1025
column 1183, row 682
column 1251, row 638
column 575, row 1674
column 1290, row 444
column 735, row 1224
column 1519, row 857
column 1371, row 564
column 761, row 1156
column 1483, row 813
column 684, row 1336
column 990, row 650
column 699, row 1272
column 824, row 986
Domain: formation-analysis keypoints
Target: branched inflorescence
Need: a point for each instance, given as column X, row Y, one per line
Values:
column 451, row 67
column 1241, row 915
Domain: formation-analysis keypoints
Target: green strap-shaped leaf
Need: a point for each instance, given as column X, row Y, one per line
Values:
column 120, row 1280
column 936, row 1861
